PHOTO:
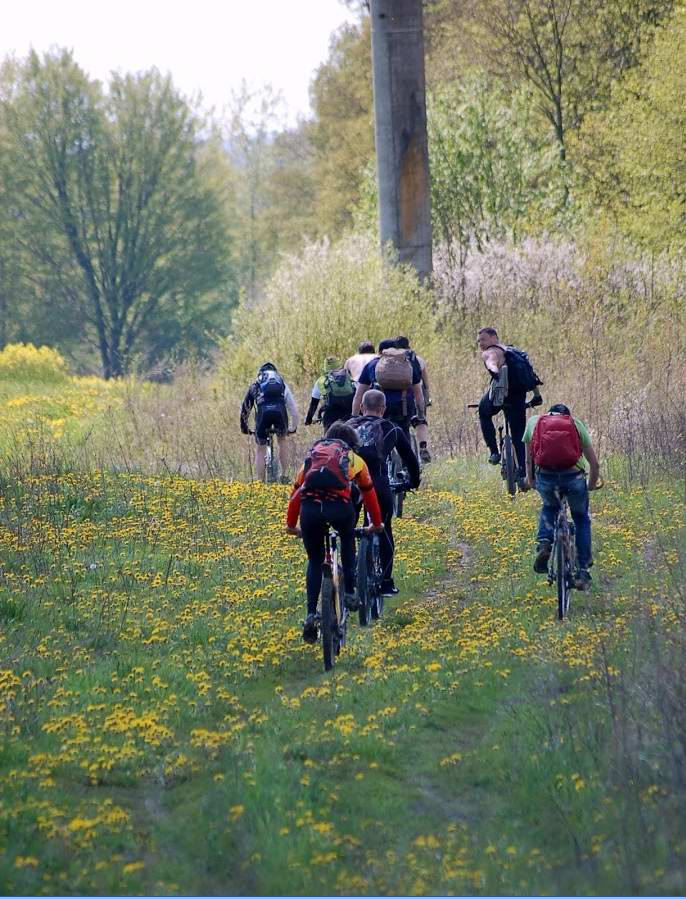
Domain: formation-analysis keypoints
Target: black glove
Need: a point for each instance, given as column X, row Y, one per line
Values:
column 536, row 401
column 415, row 484
column 308, row 421
column 244, row 428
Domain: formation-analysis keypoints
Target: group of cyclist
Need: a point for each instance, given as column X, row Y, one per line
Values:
column 367, row 407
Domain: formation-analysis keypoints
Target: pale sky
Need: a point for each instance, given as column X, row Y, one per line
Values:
column 207, row 45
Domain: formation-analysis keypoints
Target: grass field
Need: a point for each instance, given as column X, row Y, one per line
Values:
column 165, row 730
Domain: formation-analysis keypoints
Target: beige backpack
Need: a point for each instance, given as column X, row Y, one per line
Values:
column 394, row 370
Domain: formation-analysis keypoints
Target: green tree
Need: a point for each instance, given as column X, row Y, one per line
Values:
column 491, row 171
column 569, row 51
column 107, row 184
column 342, row 132
column 633, row 156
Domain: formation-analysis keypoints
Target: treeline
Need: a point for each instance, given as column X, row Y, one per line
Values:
column 131, row 224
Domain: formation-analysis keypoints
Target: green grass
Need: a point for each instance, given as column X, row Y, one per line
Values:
column 165, row 729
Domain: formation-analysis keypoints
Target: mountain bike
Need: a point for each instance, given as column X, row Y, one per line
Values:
column 562, row 566
column 369, row 576
column 508, row 464
column 333, row 616
column 399, row 481
column 562, row 562
column 272, row 468
column 271, row 460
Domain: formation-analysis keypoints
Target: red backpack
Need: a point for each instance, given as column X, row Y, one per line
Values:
column 556, row 443
column 326, row 470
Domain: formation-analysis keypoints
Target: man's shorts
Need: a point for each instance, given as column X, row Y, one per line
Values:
column 268, row 418
column 403, row 421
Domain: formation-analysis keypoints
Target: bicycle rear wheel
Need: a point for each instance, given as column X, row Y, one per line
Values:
column 329, row 623
column 395, row 467
column 271, row 463
column 509, row 465
column 562, row 572
column 364, row 584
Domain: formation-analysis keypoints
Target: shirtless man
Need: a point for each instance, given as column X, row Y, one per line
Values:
column 365, row 353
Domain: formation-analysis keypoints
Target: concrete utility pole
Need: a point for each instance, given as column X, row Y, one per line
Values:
column 400, row 129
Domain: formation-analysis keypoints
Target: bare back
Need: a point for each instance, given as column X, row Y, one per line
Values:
column 356, row 363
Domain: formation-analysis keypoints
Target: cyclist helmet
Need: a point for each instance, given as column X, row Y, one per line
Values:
column 268, row 366
column 559, row 409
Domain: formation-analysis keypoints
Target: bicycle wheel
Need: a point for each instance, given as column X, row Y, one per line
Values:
column 329, row 623
column 376, row 578
column 562, row 572
column 395, row 467
column 271, row 463
column 509, row 465
column 364, row 584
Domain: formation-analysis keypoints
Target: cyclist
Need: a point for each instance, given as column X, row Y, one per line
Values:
column 273, row 402
column 400, row 379
column 336, row 390
column 420, row 424
column 354, row 364
column 521, row 379
column 555, row 444
column 322, row 496
column 378, row 438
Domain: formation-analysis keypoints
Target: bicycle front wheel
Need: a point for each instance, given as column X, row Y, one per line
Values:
column 329, row 623
column 562, row 566
column 509, row 465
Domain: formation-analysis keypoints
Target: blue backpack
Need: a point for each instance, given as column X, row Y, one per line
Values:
column 271, row 389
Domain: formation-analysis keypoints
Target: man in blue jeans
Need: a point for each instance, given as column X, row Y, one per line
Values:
column 556, row 445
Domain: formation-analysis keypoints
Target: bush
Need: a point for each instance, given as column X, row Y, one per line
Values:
column 322, row 303
column 25, row 362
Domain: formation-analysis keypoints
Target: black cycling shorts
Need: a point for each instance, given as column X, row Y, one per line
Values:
column 268, row 418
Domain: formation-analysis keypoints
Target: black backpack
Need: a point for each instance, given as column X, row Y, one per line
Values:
column 520, row 371
column 371, row 436
column 271, row 388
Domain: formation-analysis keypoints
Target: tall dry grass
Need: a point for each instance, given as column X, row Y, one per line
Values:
column 605, row 330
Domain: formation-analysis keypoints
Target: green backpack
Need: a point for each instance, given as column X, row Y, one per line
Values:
column 338, row 389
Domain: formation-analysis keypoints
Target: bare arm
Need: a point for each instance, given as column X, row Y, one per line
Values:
column 425, row 380
column 357, row 399
column 592, row 459
column 419, row 399
column 292, row 407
